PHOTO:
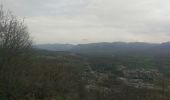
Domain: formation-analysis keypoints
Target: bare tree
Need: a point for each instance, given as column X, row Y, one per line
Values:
column 15, row 44
column 14, row 36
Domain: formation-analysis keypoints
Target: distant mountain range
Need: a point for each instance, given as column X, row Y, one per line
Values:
column 55, row 47
column 110, row 48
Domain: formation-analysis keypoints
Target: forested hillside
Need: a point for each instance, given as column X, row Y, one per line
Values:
column 95, row 71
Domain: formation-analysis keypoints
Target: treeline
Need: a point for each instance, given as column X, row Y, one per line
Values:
column 26, row 76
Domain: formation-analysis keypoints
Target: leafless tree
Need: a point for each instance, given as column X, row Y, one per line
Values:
column 14, row 36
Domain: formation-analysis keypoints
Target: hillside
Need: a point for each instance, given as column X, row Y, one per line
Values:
column 111, row 48
column 54, row 47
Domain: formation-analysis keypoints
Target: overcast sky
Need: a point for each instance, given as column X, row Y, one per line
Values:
column 85, row 21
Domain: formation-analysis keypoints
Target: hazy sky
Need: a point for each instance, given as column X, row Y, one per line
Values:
column 84, row 21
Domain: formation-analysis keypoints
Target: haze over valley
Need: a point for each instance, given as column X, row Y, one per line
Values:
column 84, row 50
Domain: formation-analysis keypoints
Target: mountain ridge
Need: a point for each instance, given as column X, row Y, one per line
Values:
column 110, row 47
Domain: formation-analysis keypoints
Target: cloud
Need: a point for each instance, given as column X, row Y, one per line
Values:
column 84, row 21
column 44, row 7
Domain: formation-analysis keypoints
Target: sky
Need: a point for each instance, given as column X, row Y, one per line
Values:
column 87, row 21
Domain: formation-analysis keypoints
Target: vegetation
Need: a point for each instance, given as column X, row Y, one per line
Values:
column 27, row 76
column 27, row 73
